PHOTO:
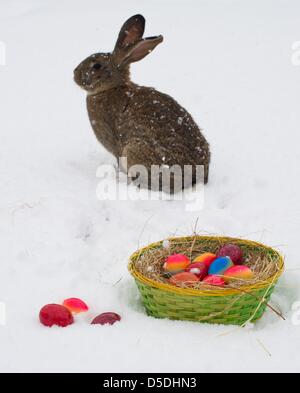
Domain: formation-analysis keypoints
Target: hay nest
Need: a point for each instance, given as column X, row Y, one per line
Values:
column 264, row 262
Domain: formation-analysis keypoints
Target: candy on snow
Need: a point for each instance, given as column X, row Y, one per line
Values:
column 176, row 262
column 220, row 265
column 199, row 269
column 75, row 305
column 233, row 251
column 106, row 318
column 238, row 272
column 183, row 278
column 214, row 280
column 55, row 314
column 206, row 258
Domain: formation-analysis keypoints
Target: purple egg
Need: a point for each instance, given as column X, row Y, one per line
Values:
column 234, row 252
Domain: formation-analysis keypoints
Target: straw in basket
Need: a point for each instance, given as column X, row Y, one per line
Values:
column 237, row 304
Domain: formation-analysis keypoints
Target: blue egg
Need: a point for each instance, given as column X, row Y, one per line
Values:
column 220, row 265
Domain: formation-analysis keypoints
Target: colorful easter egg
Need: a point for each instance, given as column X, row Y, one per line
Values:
column 238, row 272
column 199, row 269
column 206, row 258
column 214, row 280
column 220, row 265
column 234, row 252
column 106, row 318
column 75, row 305
column 176, row 262
column 184, row 278
column 55, row 314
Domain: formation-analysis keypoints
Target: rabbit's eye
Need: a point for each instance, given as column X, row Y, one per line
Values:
column 97, row 66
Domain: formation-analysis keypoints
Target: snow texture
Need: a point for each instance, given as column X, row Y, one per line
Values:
column 229, row 63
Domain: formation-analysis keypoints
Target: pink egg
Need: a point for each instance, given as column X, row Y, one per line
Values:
column 176, row 262
column 214, row 280
column 206, row 258
column 238, row 272
column 234, row 252
column 199, row 269
column 75, row 305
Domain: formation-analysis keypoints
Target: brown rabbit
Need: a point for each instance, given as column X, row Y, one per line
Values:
column 139, row 123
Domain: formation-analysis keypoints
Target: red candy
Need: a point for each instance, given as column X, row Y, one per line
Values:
column 214, row 280
column 75, row 305
column 55, row 314
column 106, row 317
column 234, row 252
column 200, row 269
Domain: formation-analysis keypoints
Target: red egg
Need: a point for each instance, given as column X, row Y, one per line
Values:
column 106, row 318
column 200, row 269
column 206, row 258
column 55, row 314
column 214, row 280
column 176, row 262
column 234, row 252
column 184, row 278
column 75, row 305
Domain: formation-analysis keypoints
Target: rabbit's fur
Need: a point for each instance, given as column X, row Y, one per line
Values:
column 139, row 123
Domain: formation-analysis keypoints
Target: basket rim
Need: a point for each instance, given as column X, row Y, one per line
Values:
column 271, row 281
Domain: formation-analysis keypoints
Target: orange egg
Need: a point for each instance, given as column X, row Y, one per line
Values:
column 238, row 272
column 176, row 262
column 206, row 258
column 184, row 278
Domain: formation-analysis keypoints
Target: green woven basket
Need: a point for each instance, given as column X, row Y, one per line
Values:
column 228, row 306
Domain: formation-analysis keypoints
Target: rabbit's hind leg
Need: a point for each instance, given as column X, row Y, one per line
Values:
column 144, row 166
column 135, row 164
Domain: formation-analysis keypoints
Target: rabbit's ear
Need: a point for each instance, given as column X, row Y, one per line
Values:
column 141, row 49
column 131, row 32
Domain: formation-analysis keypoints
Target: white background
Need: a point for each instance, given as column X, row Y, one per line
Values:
column 230, row 64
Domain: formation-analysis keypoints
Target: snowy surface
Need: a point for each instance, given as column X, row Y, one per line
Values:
column 229, row 63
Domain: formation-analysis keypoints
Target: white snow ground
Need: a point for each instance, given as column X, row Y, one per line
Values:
column 228, row 62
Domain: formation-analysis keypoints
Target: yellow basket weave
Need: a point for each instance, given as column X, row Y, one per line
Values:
column 228, row 306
